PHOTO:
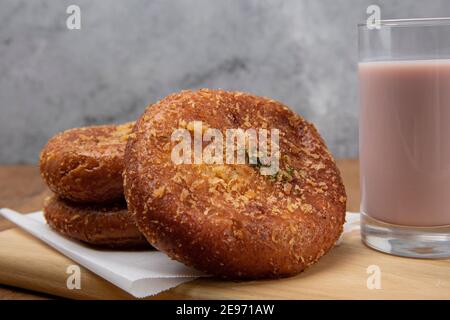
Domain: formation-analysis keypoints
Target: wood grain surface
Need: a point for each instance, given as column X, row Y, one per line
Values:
column 28, row 263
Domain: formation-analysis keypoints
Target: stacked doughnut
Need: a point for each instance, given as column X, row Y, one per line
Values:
column 83, row 167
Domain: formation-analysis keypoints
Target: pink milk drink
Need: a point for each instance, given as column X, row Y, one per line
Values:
column 404, row 137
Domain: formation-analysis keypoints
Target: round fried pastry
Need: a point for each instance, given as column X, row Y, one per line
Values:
column 109, row 226
column 230, row 220
column 86, row 164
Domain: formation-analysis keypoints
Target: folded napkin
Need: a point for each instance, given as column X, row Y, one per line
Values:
column 140, row 273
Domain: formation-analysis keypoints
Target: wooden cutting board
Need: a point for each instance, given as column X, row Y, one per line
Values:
column 342, row 274
column 26, row 262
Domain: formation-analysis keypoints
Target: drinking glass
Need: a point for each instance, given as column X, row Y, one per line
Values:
column 404, row 136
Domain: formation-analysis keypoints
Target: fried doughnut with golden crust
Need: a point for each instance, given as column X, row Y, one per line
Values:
column 229, row 220
column 86, row 164
column 109, row 226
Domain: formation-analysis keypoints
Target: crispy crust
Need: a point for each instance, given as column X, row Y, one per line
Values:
column 108, row 226
column 86, row 164
column 229, row 220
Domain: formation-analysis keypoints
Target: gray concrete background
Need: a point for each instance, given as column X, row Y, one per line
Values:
column 130, row 53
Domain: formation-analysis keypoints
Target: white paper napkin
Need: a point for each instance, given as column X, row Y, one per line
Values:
column 351, row 223
column 140, row 273
column 352, row 220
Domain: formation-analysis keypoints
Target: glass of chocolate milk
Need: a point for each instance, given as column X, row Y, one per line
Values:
column 404, row 136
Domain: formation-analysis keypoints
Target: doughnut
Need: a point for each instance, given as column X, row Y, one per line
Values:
column 85, row 164
column 229, row 219
column 109, row 226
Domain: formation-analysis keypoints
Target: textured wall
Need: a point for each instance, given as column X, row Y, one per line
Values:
column 129, row 53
